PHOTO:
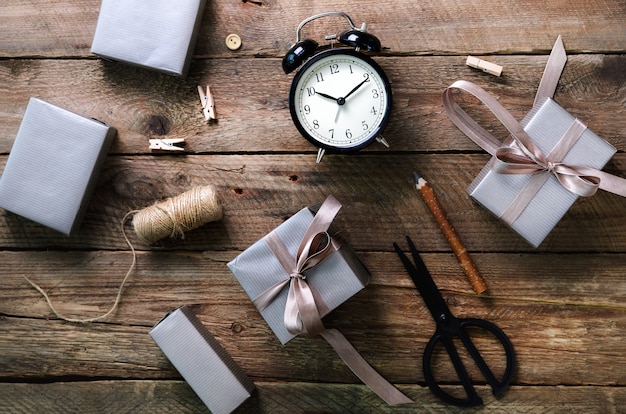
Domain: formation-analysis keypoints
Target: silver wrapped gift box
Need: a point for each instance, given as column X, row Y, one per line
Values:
column 53, row 166
column 156, row 34
column 545, row 125
column 206, row 366
column 333, row 281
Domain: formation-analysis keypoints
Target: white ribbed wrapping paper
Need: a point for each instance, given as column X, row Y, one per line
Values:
column 206, row 366
column 156, row 34
column 336, row 279
column 53, row 166
column 546, row 124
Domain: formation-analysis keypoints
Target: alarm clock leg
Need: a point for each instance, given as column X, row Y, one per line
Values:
column 382, row 141
column 320, row 155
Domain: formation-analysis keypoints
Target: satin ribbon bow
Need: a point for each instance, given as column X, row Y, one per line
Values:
column 524, row 157
column 301, row 312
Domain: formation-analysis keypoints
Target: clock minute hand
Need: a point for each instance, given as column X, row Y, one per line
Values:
column 357, row 87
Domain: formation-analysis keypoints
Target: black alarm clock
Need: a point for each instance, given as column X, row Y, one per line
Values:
column 340, row 100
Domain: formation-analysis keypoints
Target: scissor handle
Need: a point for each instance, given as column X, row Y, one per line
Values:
column 446, row 337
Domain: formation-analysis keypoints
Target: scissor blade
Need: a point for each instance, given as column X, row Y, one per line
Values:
column 424, row 282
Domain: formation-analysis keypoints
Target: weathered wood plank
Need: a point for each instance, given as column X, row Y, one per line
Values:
column 259, row 192
column 267, row 28
column 559, row 310
column 296, row 397
column 546, row 352
column 254, row 116
column 589, row 279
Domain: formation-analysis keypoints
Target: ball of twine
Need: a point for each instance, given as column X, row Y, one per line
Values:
column 174, row 216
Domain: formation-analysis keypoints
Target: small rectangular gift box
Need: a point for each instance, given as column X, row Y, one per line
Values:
column 53, row 166
column 332, row 282
column 206, row 366
column 156, row 34
column 545, row 125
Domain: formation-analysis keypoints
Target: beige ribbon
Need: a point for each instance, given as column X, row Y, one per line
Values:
column 301, row 311
column 520, row 155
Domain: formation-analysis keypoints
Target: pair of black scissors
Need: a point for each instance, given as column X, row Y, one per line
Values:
column 448, row 328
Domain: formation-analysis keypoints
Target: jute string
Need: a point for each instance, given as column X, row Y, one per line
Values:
column 171, row 217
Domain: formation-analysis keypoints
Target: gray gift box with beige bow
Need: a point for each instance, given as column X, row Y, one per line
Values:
column 155, row 34
column 54, row 165
column 545, row 125
column 206, row 366
column 333, row 281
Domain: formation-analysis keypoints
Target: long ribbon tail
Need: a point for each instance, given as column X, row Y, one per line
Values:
column 552, row 72
column 612, row 183
column 351, row 357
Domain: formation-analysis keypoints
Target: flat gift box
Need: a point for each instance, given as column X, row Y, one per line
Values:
column 333, row 281
column 206, row 366
column 156, row 34
column 545, row 125
column 53, row 166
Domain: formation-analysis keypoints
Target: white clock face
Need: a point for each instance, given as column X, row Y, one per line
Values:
column 340, row 100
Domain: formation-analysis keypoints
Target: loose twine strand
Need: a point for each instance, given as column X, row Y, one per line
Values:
column 171, row 217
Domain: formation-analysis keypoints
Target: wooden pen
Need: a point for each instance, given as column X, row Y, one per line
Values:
column 461, row 253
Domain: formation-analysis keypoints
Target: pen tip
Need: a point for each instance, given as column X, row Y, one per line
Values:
column 419, row 180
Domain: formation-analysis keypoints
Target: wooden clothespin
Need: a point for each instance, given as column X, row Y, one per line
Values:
column 167, row 144
column 208, row 103
column 483, row 65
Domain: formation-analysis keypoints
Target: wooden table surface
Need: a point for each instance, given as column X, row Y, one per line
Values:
column 562, row 304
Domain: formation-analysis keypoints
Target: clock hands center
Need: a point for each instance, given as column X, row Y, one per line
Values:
column 342, row 99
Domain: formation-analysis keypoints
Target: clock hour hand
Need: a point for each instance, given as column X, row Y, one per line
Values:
column 324, row 95
column 340, row 101
column 357, row 87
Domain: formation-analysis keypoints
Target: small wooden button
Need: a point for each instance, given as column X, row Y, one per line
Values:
column 233, row 41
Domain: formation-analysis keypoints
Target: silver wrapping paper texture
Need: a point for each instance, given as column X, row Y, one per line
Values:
column 546, row 124
column 156, row 34
column 53, row 166
column 334, row 281
column 206, row 366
